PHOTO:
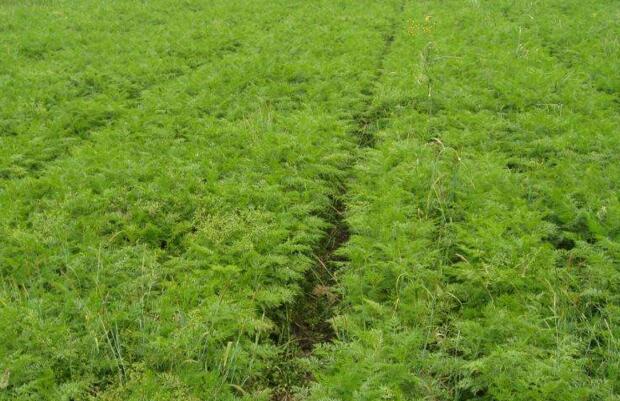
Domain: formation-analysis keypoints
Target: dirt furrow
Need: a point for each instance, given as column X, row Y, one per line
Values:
column 309, row 318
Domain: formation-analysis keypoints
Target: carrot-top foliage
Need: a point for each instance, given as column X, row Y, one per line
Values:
column 310, row 200
column 485, row 247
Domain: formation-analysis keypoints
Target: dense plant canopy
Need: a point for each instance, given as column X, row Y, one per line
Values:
column 310, row 200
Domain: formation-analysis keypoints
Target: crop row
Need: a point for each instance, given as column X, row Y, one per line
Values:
column 485, row 238
column 167, row 174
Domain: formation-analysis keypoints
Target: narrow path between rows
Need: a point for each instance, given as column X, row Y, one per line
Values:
column 309, row 323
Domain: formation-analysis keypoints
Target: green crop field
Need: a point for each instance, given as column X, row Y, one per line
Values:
column 322, row 200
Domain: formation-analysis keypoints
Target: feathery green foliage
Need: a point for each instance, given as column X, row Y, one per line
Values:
column 166, row 173
column 484, row 258
column 172, row 176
